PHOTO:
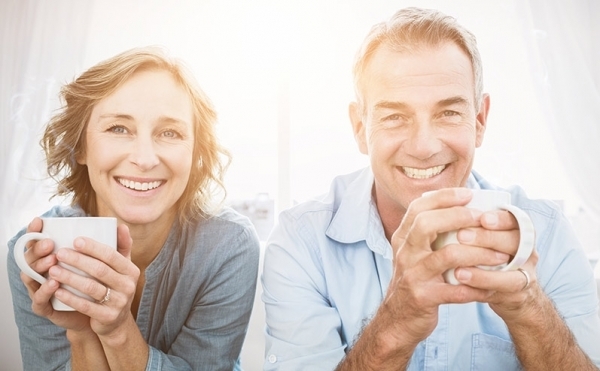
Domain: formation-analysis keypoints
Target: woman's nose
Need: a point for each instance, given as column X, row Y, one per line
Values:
column 144, row 153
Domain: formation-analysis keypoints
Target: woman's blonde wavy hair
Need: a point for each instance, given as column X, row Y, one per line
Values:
column 64, row 138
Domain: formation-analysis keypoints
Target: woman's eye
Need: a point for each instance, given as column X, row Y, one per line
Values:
column 171, row 134
column 117, row 129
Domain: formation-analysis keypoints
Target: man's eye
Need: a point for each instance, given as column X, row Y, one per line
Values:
column 450, row 113
column 393, row 117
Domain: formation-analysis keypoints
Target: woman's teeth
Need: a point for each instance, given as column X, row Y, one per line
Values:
column 423, row 173
column 138, row 186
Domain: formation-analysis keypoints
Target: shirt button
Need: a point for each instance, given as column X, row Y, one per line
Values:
column 272, row 358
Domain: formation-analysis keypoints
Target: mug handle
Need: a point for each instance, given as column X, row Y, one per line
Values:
column 19, row 254
column 526, row 240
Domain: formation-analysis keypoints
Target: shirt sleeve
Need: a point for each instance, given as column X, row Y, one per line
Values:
column 303, row 329
column 44, row 346
column 567, row 278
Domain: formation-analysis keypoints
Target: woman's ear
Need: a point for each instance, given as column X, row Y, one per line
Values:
column 358, row 127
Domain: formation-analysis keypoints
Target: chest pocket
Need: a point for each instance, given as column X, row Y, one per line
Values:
column 493, row 353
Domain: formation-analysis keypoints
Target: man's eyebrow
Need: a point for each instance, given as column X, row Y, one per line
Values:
column 452, row 101
column 390, row 105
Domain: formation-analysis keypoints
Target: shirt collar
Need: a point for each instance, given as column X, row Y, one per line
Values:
column 357, row 218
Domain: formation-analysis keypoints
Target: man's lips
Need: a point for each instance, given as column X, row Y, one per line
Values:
column 415, row 173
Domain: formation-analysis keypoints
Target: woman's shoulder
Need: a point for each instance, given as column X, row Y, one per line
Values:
column 57, row 211
column 225, row 226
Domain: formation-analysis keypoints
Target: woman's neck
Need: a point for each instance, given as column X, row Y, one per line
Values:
column 148, row 240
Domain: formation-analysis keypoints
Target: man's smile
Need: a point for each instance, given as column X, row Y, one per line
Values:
column 415, row 173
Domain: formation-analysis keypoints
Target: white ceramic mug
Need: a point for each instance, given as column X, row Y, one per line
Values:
column 487, row 200
column 63, row 231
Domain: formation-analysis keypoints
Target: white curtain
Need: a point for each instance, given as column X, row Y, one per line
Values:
column 565, row 53
column 42, row 44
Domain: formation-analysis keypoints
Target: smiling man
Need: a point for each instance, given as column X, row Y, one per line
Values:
column 350, row 279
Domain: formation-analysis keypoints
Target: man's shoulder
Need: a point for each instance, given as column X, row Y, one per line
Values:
column 543, row 207
column 327, row 204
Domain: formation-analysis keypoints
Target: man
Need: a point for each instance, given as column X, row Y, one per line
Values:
column 350, row 280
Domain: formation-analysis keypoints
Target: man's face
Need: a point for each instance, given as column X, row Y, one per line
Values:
column 418, row 123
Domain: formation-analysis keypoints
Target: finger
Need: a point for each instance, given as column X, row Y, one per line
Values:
column 88, row 264
column 506, row 241
column 446, row 197
column 499, row 220
column 41, row 304
column 84, row 284
column 38, row 249
column 102, row 263
column 428, row 224
column 500, row 281
column 89, row 248
column 455, row 255
column 30, row 284
column 441, row 199
column 43, row 263
column 124, row 241
column 35, row 225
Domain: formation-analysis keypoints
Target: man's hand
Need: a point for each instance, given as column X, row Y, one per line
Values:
column 417, row 287
column 511, row 290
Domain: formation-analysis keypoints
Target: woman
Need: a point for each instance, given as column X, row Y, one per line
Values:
column 136, row 140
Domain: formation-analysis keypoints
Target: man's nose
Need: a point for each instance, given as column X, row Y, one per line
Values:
column 423, row 141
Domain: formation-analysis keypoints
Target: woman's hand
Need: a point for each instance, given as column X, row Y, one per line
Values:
column 108, row 269
column 41, row 259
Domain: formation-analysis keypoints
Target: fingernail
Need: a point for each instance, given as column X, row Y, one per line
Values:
column 79, row 242
column 491, row 218
column 53, row 283
column 61, row 254
column 463, row 275
column 502, row 256
column 54, row 271
column 466, row 235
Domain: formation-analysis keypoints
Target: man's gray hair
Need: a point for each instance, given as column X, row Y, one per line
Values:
column 411, row 28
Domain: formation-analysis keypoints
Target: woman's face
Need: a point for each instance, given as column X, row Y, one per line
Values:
column 139, row 144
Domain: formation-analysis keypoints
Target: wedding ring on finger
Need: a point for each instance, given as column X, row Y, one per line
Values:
column 107, row 296
column 527, row 279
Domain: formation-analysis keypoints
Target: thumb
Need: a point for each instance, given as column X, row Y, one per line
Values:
column 124, row 241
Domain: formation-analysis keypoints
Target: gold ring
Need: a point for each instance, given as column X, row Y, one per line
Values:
column 107, row 296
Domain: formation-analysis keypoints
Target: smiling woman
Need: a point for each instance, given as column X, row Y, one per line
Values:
column 135, row 140
column 279, row 75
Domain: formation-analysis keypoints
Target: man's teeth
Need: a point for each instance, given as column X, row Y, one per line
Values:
column 138, row 186
column 423, row 173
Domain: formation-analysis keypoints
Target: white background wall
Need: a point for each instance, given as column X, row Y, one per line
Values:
column 248, row 55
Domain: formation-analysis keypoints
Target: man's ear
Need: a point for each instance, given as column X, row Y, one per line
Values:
column 358, row 127
column 481, row 123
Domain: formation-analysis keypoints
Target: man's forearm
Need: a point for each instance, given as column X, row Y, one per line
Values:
column 379, row 347
column 543, row 340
